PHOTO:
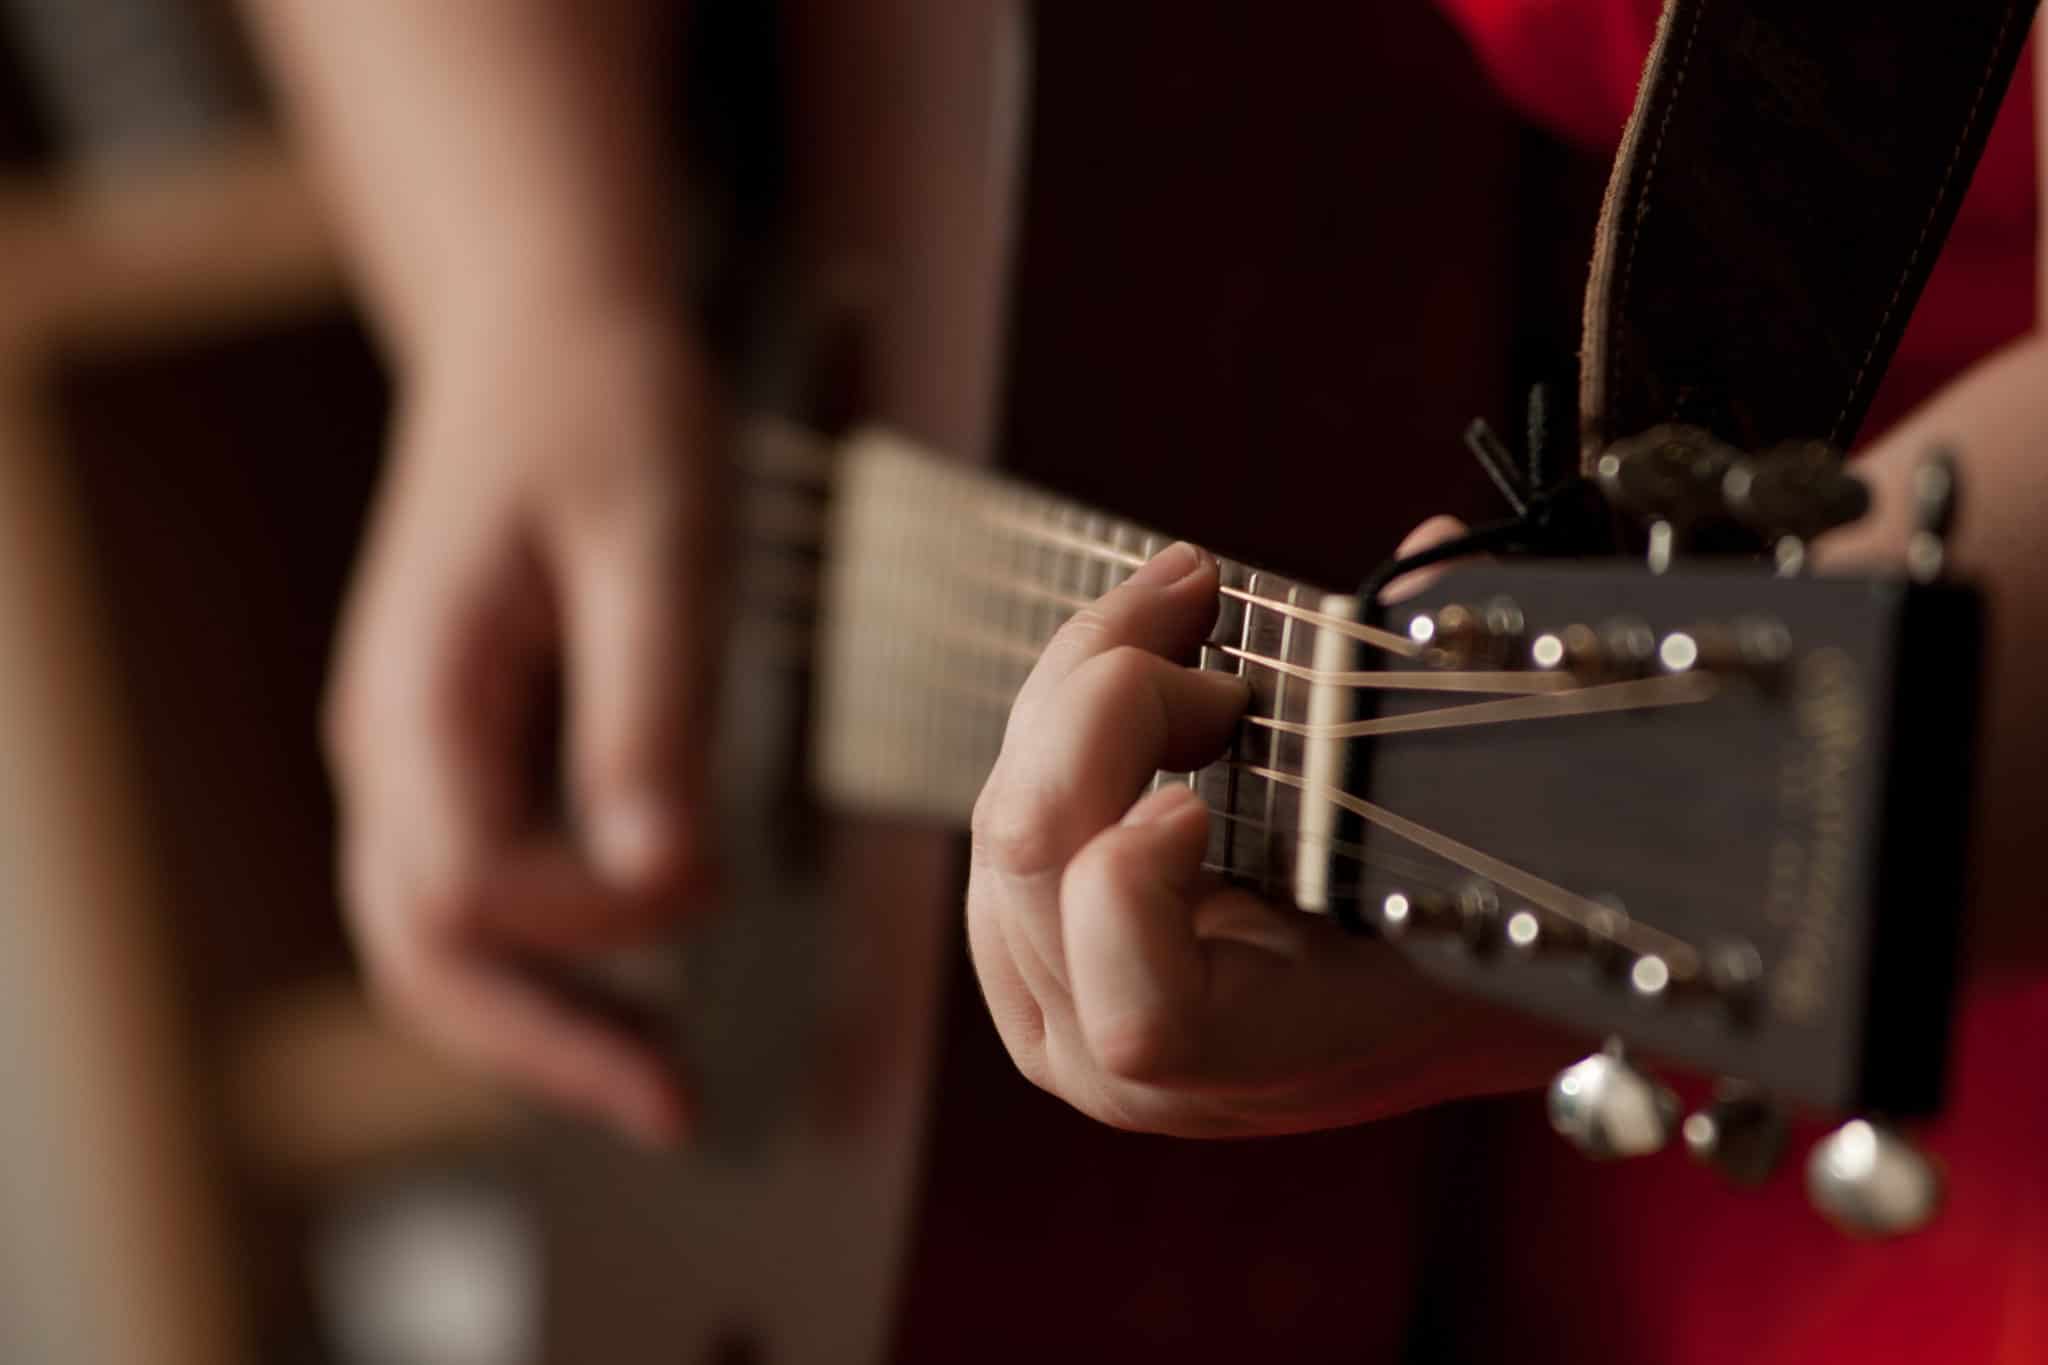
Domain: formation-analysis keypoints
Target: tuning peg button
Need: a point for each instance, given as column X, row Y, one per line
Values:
column 1795, row 491
column 1871, row 1181
column 1740, row 1134
column 1606, row 1108
column 1670, row 474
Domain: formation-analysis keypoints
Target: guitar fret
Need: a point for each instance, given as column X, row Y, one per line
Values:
column 1070, row 565
column 1283, row 685
column 1094, row 574
column 1250, row 853
column 966, row 593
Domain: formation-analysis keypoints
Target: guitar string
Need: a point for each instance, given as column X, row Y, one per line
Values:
column 1643, row 694
column 789, row 522
column 1547, row 685
column 1471, row 680
column 1581, row 911
column 1682, row 959
column 1417, row 875
column 1364, row 634
column 1640, row 694
column 1543, row 685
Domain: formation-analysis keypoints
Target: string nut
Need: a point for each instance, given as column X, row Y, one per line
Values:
column 1524, row 931
column 1649, row 976
column 1764, row 648
column 1506, row 627
column 1604, row 929
column 1627, row 646
column 1479, row 919
column 1583, row 652
column 1740, row 1134
column 1460, row 631
column 1735, row 973
column 1461, row 636
column 1678, row 652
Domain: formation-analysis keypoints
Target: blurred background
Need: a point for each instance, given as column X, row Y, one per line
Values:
column 1233, row 234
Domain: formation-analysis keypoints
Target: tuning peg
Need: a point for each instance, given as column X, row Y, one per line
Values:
column 1791, row 494
column 1606, row 1108
column 1740, row 1134
column 1669, row 476
column 1871, row 1181
column 1669, row 473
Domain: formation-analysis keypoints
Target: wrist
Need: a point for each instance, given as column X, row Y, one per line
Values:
column 560, row 342
column 549, row 318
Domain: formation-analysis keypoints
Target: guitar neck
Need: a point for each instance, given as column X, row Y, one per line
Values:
column 1691, row 815
column 942, row 586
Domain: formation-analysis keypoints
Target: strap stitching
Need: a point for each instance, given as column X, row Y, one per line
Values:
column 1955, row 157
column 1642, row 199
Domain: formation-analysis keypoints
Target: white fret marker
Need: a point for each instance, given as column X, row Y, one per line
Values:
column 1523, row 929
column 1650, row 975
column 1394, row 910
column 1422, row 628
column 1678, row 652
column 1547, row 651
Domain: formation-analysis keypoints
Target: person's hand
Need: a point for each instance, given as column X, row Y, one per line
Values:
column 541, row 531
column 1125, row 981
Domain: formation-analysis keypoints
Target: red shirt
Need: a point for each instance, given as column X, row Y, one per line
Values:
column 1659, row 1260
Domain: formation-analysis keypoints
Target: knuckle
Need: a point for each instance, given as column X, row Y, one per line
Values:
column 1015, row 829
column 1087, row 626
column 1122, row 671
column 1142, row 1046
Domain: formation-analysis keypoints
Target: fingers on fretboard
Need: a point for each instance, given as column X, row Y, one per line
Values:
column 1255, row 835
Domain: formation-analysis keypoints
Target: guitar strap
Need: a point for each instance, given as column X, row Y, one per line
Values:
column 1783, row 188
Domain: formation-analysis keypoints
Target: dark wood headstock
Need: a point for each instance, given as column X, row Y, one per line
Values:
column 1801, row 829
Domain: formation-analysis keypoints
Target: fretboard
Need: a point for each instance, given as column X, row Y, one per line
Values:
column 943, row 584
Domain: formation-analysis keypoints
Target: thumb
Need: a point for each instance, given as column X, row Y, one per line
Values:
column 1427, row 536
column 1137, row 970
column 639, row 643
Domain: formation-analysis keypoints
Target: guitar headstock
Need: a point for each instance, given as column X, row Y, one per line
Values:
column 1735, row 841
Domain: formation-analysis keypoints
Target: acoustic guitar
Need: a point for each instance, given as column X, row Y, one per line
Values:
column 1715, row 813
column 1654, row 806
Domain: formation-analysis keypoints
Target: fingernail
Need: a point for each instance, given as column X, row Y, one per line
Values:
column 1163, row 804
column 1238, row 688
column 632, row 840
column 1169, row 566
